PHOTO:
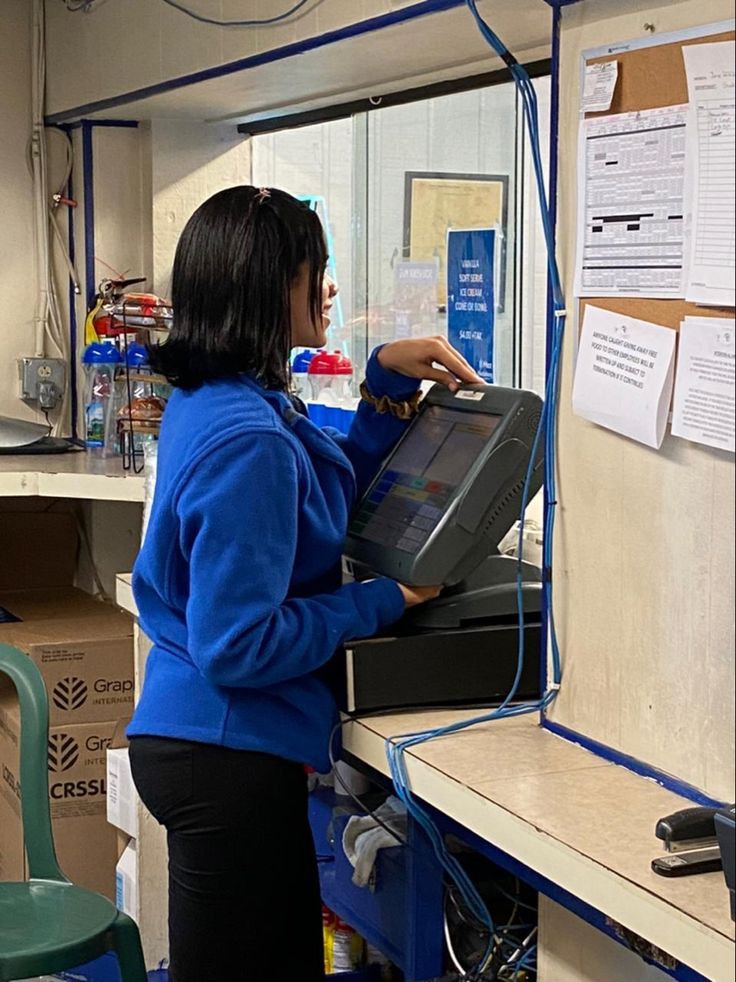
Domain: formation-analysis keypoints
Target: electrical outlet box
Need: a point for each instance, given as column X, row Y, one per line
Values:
column 42, row 380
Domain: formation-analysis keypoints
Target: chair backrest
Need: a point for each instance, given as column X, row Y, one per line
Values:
column 34, row 775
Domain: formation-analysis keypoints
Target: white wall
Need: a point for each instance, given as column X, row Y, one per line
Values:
column 645, row 540
column 121, row 167
column 190, row 161
column 121, row 162
column 572, row 951
column 146, row 41
column 147, row 182
column 644, row 563
column 122, row 226
column 16, row 224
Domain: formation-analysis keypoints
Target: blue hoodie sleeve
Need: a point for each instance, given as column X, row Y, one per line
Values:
column 239, row 514
column 373, row 435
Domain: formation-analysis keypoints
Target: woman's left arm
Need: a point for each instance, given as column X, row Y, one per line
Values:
column 396, row 370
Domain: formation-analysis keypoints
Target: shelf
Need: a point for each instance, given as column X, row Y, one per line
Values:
column 124, row 593
column 72, row 475
column 581, row 822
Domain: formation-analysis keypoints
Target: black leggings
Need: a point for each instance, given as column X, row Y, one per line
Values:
column 244, row 899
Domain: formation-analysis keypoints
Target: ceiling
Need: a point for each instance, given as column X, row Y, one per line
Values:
column 320, row 71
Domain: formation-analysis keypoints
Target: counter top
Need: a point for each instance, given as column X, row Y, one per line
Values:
column 585, row 824
column 70, row 475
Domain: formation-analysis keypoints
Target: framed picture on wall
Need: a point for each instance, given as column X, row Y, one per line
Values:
column 436, row 202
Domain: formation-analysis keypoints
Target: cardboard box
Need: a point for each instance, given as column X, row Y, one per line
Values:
column 82, row 646
column 40, row 547
column 122, row 797
column 126, row 881
column 86, row 845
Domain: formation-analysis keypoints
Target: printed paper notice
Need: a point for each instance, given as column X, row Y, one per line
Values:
column 471, row 308
column 624, row 375
column 415, row 299
column 599, row 86
column 631, row 204
column 705, row 397
column 711, row 184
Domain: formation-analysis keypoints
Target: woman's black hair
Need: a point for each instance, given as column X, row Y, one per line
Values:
column 235, row 264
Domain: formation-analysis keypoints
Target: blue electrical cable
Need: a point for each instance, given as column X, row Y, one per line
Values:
column 235, row 23
column 525, row 961
column 547, row 429
column 529, row 101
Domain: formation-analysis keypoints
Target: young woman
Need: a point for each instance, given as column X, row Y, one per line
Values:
column 238, row 583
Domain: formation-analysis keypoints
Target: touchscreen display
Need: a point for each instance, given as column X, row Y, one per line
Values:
column 419, row 480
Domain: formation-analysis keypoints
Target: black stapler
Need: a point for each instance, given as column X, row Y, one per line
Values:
column 689, row 836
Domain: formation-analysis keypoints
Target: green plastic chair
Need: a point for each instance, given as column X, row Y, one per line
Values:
column 48, row 924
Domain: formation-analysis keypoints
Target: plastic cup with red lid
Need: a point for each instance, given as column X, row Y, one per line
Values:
column 330, row 374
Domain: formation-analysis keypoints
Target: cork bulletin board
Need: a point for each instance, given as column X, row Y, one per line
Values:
column 651, row 77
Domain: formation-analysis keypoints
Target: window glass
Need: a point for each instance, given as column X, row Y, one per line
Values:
column 316, row 163
column 389, row 184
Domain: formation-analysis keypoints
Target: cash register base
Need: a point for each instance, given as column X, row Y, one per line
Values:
column 470, row 667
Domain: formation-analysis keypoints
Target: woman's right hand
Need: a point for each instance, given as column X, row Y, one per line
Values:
column 414, row 595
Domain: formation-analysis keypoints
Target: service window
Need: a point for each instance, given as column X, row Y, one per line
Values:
column 390, row 184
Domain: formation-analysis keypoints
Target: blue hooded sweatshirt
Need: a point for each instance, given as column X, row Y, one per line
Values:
column 238, row 582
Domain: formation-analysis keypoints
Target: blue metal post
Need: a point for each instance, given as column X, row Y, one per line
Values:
column 554, row 128
column 89, row 213
column 72, row 308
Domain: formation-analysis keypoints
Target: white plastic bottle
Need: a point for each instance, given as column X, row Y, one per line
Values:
column 100, row 360
column 299, row 376
column 347, row 948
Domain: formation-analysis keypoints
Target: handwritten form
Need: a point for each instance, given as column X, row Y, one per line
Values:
column 624, row 374
column 705, row 396
column 711, row 185
column 599, row 86
column 631, row 204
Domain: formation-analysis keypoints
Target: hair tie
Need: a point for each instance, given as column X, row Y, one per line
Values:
column 263, row 195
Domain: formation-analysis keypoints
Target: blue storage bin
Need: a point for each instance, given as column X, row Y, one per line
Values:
column 158, row 975
column 371, row 974
column 403, row 915
column 335, row 416
column 104, row 969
